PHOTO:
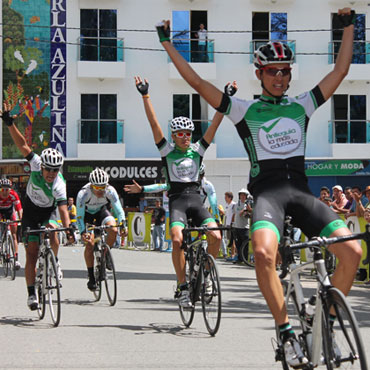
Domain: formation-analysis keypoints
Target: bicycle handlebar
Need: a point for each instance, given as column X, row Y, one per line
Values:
column 204, row 229
column 102, row 227
column 48, row 230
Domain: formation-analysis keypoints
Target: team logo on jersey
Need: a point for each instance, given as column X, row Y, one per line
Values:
column 185, row 169
column 280, row 135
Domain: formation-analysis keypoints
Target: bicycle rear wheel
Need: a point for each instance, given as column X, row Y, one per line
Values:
column 211, row 300
column 342, row 338
column 187, row 314
column 52, row 288
column 110, row 275
column 10, row 255
column 247, row 255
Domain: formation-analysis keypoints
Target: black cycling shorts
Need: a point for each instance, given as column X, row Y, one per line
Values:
column 274, row 201
column 185, row 206
column 98, row 217
column 8, row 213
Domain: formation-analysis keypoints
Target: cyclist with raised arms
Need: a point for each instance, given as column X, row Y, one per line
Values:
column 46, row 191
column 10, row 204
column 181, row 161
column 277, row 178
column 92, row 208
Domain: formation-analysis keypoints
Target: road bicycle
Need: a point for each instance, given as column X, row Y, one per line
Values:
column 104, row 270
column 201, row 270
column 47, row 283
column 7, row 250
column 331, row 337
column 247, row 254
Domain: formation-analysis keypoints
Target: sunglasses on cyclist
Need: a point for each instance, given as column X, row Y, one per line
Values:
column 99, row 187
column 272, row 71
column 50, row 169
column 4, row 189
column 180, row 134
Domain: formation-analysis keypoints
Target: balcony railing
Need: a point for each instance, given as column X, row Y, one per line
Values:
column 200, row 128
column 194, row 53
column 102, row 131
column 255, row 44
column 361, row 52
column 100, row 49
column 349, row 131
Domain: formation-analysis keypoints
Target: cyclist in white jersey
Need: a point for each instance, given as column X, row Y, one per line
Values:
column 46, row 191
column 92, row 208
column 273, row 130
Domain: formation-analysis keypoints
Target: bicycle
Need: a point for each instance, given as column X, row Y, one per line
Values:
column 7, row 250
column 47, row 283
column 200, row 269
column 104, row 269
column 247, row 254
column 326, row 342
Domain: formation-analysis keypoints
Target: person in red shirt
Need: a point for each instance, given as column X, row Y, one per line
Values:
column 10, row 204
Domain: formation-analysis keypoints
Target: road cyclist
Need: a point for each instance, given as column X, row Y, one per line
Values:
column 46, row 192
column 277, row 178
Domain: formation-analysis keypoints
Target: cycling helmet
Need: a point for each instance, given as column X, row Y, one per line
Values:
column 51, row 158
column 99, row 177
column 243, row 190
column 181, row 123
column 5, row 183
column 273, row 52
column 202, row 169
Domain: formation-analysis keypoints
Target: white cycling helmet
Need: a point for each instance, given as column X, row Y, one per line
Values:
column 181, row 123
column 273, row 52
column 51, row 158
column 202, row 169
column 99, row 177
column 243, row 190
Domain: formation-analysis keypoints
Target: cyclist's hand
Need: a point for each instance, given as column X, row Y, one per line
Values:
column 231, row 89
column 134, row 188
column 142, row 87
column 124, row 232
column 347, row 17
column 164, row 30
column 86, row 237
column 5, row 115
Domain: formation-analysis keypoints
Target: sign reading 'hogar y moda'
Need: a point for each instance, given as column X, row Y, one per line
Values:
column 343, row 167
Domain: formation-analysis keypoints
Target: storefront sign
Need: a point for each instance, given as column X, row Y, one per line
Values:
column 345, row 167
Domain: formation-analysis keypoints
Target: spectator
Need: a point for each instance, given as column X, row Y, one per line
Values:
column 229, row 218
column 242, row 213
column 339, row 198
column 324, row 193
column 360, row 208
column 143, row 203
column 357, row 197
column 159, row 216
column 367, row 216
column 72, row 211
column 349, row 201
column 201, row 35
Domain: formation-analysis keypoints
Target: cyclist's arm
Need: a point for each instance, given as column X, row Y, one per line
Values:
column 117, row 206
column 211, row 130
column 80, row 205
column 331, row 81
column 208, row 91
column 64, row 214
column 212, row 199
column 19, row 140
column 155, row 188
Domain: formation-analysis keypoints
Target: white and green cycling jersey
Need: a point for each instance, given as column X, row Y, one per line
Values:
column 273, row 133
column 41, row 193
column 181, row 168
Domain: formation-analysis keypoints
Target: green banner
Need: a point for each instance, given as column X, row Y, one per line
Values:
column 342, row 167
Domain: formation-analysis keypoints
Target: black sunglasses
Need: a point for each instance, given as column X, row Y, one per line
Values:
column 50, row 169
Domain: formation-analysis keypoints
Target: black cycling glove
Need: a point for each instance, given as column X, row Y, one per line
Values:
column 7, row 118
column 230, row 90
column 143, row 88
column 347, row 19
column 163, row 33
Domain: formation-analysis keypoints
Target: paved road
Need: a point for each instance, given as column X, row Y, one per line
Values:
column 143, row 330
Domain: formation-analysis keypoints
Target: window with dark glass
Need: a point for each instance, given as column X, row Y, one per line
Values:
column 98, row 118
column 98, row 41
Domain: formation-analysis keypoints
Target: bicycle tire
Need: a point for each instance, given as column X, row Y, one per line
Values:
column 109, row 275
column 10, row 257
column 98, row 273
column 52, row 289
column 41, row 308
column 247, row 257
column 211, row 303
column 343, row 339
column 187, row 314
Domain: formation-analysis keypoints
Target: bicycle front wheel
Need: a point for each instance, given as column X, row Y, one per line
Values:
column 187, row 314
column 211, row 296
column 52, row 289
column 98, row 273
column 110, row 276
column 10, row 256
column 342, row 339
column 247, row 255
column 41, row 298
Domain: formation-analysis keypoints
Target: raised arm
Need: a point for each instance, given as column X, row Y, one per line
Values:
column 332, row 80
column 17, row 137
column 230, row 89
column 208, row 91
column 143, row 88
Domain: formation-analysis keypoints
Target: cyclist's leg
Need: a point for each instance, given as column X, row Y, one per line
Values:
column 178, row 258
column 107, row 219
column 214, row 240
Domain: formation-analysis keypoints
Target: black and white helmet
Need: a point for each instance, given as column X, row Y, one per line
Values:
column 181, row 123
column 273, row 52
column 202, row 169
column 5, row 183
column 99, row 177
column 51, row 158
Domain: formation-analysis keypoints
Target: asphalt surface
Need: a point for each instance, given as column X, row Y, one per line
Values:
column 143, row 330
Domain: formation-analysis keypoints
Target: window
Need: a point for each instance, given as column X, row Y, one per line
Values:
column 185, row 26
column 349, row 118
column 98, row 35
column 99, row 118
column 359, row 45
column 195, row 107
